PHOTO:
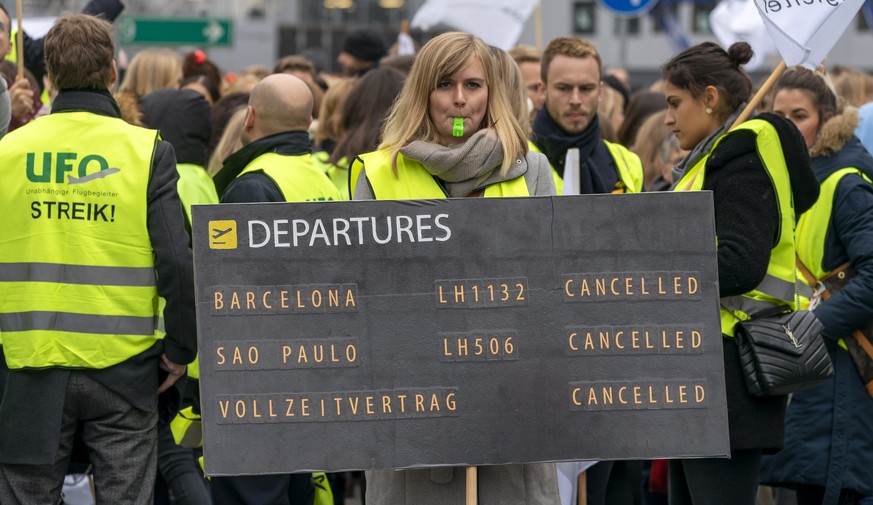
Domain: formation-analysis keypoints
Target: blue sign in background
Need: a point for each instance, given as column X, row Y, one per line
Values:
column 628, row 7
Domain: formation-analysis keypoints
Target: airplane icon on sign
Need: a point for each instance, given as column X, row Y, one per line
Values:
column 222, row 234
column 216, row 233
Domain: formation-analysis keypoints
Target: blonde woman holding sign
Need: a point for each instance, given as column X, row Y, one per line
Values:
column 753, row 191
column 828, row 454
column 453, row 133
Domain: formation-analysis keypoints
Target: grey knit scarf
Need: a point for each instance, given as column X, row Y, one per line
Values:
column 704, row 147
column 466, row 167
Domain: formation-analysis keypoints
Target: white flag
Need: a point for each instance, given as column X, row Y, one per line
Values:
column 804, row 31
column 738, row 20
column 498, row 23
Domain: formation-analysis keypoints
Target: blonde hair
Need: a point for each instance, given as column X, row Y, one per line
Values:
column 855, row 86
column 509, row 75
column 655, row 145
column 231, row 142
column 329, row 120
column 525, row 54
column 611, row 103
column 243, row 82
column 572, row 47
column 150, row 70
column 441, row 57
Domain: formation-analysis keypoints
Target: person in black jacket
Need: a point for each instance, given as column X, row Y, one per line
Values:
column 273, row 166
column 754, row 223
column 828, row 454
column 97, row 373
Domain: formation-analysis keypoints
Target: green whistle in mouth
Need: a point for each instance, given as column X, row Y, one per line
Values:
column 458, row 127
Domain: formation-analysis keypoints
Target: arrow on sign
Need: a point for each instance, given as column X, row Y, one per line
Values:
column 213, row 31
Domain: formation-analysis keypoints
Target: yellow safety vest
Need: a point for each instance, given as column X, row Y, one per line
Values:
column 779, row 284
column 76, row 263
column 812, row 230
column 194, row 187
column 813, row 225
column 413, row 181
column 295, row 176
column 338, row 174
column 629, row 169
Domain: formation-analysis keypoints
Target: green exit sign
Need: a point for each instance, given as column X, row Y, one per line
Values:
column 162, row 31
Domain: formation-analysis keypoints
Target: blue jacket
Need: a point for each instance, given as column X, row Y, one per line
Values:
column 829, row 429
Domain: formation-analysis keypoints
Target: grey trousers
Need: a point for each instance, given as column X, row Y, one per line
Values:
column 122, row 448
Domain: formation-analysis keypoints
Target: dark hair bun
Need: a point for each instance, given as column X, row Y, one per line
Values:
column 740, row 53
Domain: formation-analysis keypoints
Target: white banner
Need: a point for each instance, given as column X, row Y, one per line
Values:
column 804, row 31
column 738, row 20
column 498, row 23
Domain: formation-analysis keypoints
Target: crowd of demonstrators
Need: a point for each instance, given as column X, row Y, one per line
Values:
column 150, row 70
column 828, row 453
column 658, row 150
column 360, row 120
column 386, row 130
column 329, row 130
column 640, row 106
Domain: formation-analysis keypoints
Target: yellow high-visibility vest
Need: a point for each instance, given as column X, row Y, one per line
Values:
column 76, row 263
column 628, row 167
column 779, row 284
column 295, row 176
column 413, row 181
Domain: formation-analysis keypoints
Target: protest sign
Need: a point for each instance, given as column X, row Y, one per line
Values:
column 357, row 335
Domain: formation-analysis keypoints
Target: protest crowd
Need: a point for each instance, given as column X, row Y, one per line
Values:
column 98, row 322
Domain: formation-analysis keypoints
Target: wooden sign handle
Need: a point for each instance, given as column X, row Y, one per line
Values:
column 756, row 100
column 19, row 41
column 472, row 486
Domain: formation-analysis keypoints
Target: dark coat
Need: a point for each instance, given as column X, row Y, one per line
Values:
column 829, row 429
column 746, row 223
column 30, row 430
column 184, row 118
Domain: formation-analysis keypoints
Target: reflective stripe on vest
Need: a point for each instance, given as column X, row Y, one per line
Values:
column 814, row 224
column 778, row 285
column 76, row 263
column 413, row 181
column 295, row 176
column 629, row 169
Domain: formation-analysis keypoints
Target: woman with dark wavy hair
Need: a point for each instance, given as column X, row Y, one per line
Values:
column 761, row 181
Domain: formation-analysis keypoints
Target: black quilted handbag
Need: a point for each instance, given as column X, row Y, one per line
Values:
column 782, row 353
